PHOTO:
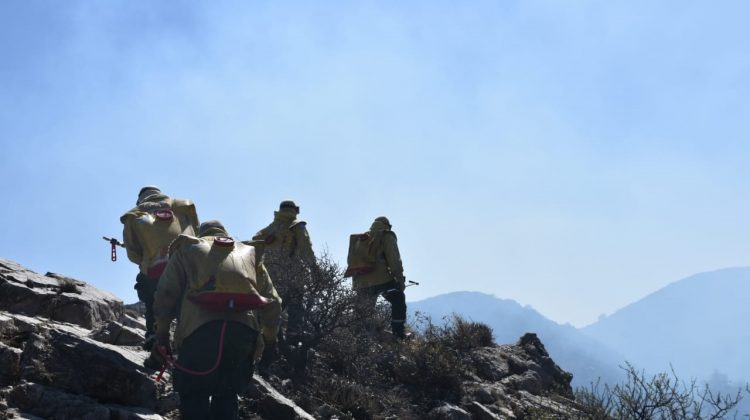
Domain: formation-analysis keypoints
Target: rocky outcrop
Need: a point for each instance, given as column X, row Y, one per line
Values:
column 516, row 379
column 273, row 405
column 71, row 351
column 55, row 368
column 52, row 403
column 55, row 297
column 65, row 353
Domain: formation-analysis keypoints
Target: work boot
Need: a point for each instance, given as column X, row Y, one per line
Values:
column 397, row 329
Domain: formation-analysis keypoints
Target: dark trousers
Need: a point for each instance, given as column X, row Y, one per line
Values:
column 214, row 396
column 394, row 295
column 146, row 288
column 198, row 407
column 288, row 277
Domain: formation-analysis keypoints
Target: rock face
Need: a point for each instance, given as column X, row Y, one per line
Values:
column 55, row 297
column 517, row 378
column 71, row 351
column 65, row 355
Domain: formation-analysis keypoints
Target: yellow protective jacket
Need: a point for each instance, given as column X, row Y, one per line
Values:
column 148, row 231
column 193, row 261
column 287, row 236
column 382, row 263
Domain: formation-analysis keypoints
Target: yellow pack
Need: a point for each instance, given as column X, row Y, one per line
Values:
column 226, row 276
column 156, row 229
column 361, row 258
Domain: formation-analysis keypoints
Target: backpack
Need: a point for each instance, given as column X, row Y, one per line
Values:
column 361, row 260
column 226, row 277
column 157, row 228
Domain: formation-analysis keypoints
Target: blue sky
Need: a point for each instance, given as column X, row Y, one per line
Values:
column 573, row 156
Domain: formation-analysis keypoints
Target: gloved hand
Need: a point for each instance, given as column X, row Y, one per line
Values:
column 160, row 350
column 401, row 283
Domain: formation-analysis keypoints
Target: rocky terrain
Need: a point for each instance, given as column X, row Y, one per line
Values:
column 71, row 351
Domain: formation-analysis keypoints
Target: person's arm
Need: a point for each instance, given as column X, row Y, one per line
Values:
column 393, row 257
column 169, row 293
column 269, row 315
column 304, row 244
column 130, row 240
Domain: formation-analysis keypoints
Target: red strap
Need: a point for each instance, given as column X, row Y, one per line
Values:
column 173, row 363
column 161, row 372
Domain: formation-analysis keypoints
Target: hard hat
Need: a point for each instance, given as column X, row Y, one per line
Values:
column 212, row 228
column 383, row 219
column 146, row 191
column 288, row 204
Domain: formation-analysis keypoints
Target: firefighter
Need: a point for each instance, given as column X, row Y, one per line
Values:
column 374, row 263
column 148, row 229
column 223, row 299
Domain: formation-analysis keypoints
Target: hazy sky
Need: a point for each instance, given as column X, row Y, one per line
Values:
column 571, row 155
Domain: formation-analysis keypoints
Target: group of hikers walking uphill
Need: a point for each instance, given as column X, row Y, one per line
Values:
column 233, row 300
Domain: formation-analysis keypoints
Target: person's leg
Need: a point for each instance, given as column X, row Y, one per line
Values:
column 194, row 406
column 198, row 353
column 295, row 316
column 397, row 299
column 224, row 407
column 366, row 303
column 367, row 298
column 146, row 288
column 236, row 367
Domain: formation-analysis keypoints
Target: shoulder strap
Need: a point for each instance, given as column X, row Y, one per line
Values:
column 182, row 240
column 296, row 223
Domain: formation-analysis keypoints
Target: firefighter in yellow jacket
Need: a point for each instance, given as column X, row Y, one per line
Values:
column 374, row 262
column 223, row 299
column 148, row 230
column 289, row 258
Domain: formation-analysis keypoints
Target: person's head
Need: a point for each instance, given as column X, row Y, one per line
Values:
column 381, row 223
column 147, row 191
column 212, row 228
column 288, row 206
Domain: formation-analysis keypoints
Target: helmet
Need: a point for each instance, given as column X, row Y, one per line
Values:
column 212, row 228
column 288, row 205
column 382, row 221
column 146, row 191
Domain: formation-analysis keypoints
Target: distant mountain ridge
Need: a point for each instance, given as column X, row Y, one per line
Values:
column 574, row 351
column 695, row 326
column 698, row 325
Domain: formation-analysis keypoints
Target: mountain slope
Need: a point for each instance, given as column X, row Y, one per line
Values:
column 574, row 351
column 69, row 350
column 698, row 325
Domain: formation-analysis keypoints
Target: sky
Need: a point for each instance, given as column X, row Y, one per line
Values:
column 574, row 156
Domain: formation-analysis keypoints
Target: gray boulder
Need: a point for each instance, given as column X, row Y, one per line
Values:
column 52, row 403
column 116, row 333
column 448, row 412
column 273, row 405
column 55, row 297
column 62, row 356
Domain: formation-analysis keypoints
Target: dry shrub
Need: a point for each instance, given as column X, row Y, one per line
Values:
column 67, row 285
column 434, row 361
column 464, row 335
column 431, row 369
